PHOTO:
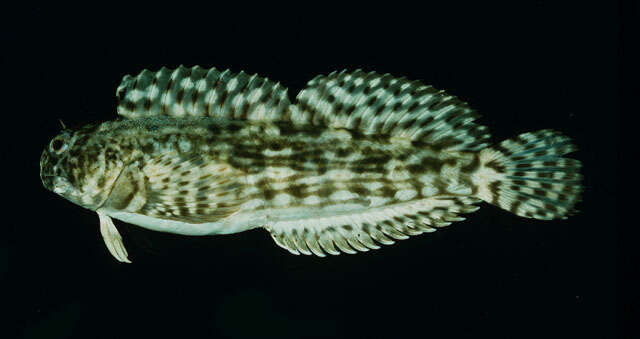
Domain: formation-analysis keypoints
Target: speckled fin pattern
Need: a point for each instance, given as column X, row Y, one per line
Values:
column 376, row 104
column 368, row 103
column 200, row 92
column 529, row 176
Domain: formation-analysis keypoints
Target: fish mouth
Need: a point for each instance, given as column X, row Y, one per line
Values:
column 56, row 184
column 48, row 181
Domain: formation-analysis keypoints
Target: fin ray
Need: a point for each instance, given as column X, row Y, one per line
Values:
column 191, row 189
column 359, row 232
column 528, row 176
column 200, row 92
column 371, row 103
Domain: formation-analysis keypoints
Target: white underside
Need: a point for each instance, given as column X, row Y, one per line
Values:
column 308, row 230
column 237, row 222
column 233, row 224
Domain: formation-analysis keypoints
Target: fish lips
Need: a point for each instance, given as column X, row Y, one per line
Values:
column 46, row 171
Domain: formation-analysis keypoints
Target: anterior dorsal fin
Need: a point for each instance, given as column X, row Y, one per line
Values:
column 381, row 104
column 199, row 92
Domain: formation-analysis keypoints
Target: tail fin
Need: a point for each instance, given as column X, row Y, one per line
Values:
column 528, row 176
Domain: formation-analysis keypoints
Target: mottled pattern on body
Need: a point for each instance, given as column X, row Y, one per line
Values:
column 359, row 159
column 184, row 161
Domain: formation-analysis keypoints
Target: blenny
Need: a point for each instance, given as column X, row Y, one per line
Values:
column 358, row 160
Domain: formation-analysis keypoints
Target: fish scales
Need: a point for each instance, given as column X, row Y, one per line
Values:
column 360, row 159
column 300, row 165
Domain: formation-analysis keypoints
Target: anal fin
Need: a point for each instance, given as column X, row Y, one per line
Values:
column 363, row 230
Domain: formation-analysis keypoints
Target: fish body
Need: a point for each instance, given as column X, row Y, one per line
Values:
column 359, row 159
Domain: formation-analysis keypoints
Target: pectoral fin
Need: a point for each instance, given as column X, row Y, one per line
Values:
column 193, row 190
column 112, row 238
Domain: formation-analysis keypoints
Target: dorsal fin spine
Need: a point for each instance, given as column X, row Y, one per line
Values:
column 196, row 91
column 370, row 103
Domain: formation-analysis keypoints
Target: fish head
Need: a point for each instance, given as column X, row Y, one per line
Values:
column 82, row 165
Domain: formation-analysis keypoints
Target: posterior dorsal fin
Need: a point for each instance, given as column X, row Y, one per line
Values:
column 372, row 103
column 199, row 92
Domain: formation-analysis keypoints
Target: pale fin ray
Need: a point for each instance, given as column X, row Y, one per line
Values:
column 112, row 238
column 359, row 232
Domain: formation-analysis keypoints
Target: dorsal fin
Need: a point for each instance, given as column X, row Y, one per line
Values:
column 381, row 104
column 199, row 92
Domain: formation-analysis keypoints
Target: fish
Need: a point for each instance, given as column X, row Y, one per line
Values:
column 357, row 160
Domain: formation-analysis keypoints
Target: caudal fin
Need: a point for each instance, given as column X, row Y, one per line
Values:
column 528, row 176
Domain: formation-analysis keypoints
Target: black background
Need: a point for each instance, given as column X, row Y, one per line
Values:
column 524, row 66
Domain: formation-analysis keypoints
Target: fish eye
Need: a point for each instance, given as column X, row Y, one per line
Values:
column 57, row 145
